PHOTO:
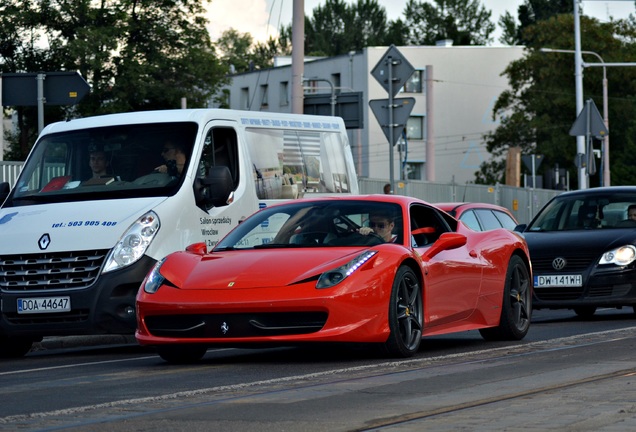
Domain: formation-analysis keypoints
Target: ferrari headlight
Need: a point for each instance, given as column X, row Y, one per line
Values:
column 133, row 244
column 620, row 256
column 154, row 279
column 334, row 277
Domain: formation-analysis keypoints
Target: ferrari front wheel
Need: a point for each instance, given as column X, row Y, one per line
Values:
column 405, row 314
column 516, row 308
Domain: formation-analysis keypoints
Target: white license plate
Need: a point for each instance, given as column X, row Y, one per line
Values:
column 573, row 280
column 44, row 305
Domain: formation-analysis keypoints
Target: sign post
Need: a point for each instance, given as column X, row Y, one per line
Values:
column 589, row 123
column 392, row 72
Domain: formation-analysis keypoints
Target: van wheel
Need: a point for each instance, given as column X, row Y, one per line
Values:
column 181, row 354
column 14, row 347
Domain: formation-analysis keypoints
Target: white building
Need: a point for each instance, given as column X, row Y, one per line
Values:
column 466, row 82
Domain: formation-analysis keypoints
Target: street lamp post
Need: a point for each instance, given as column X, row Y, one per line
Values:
column 605, row 154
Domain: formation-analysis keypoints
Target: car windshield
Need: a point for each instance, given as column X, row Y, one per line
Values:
column 587, row 211
column 127, row 161
column 316, row 224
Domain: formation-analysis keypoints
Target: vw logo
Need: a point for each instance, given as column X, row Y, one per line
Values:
column 44, row 241
column 559, row 263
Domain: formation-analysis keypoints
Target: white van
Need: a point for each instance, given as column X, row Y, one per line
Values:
column 78, row 234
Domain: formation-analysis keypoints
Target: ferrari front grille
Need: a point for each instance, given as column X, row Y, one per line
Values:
column 236, row 325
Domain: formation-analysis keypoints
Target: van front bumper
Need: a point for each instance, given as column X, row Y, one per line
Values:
column 105, row 307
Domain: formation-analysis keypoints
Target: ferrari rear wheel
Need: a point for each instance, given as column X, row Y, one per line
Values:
column 405, row 314
column 516, row 308
column 181, row 354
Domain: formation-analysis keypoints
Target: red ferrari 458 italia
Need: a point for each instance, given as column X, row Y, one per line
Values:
column 377, row 269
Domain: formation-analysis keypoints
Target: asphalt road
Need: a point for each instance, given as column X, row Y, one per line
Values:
column 567, row 374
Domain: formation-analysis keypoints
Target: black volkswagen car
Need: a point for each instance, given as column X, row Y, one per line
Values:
column 583, row 250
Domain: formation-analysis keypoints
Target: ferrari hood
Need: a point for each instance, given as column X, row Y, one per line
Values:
column 557, row 242
column 253, row 268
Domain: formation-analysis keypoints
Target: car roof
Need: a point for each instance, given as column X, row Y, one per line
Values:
column 598, row 190
column 456, row 206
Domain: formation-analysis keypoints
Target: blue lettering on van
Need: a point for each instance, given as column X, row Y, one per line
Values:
column 6, row 218
column 86, row 223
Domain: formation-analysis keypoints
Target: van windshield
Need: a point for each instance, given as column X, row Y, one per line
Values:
column 126, row 161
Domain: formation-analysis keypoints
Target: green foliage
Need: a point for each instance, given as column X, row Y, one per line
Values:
column 465, row 22
column 239, row 53
column 540, row 106
column 338, row 27
column 135, row 54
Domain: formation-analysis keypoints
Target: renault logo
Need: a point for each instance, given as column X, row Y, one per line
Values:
column 44, row 241
column 559, row 263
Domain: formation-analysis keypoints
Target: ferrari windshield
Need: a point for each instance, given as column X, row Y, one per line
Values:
column 591, row 210
column 318, row 224
column 107, row 162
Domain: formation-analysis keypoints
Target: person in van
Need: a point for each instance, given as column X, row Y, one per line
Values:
column 175, row 156
column 98, row 161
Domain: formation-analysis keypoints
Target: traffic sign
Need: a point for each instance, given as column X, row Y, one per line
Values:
column 402, row 108
column 589, row 122
column 395, row 65
column 60, row 88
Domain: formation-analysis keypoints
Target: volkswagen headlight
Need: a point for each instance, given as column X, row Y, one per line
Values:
column 620, row 256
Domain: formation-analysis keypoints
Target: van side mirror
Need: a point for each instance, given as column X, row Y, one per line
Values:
column 4, row 191
column 215, row 188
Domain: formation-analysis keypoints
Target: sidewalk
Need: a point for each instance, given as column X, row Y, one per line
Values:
column 59, row 342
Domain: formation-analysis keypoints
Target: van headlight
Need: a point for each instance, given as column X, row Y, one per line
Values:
column 620, row 256
column 133, row 244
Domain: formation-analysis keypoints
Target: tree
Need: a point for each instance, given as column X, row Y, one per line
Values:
column 530, row 13
column 239, row 53
column 326, row 32
column 135, row 54
column 336, row 28
column 540, row 106
column 465, row 22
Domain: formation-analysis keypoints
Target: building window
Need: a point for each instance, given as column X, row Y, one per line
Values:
column 284, row 93
column 263, row 95
column 415, row 127
column 244, row 103
column 414, row 83
column 415, row 170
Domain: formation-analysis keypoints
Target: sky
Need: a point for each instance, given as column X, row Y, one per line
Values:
column 262, row 18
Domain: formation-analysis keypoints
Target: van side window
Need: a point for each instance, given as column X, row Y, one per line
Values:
column 220, row 149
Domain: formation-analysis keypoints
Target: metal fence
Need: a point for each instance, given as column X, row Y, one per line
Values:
column 524, row 203
column 9, row 171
